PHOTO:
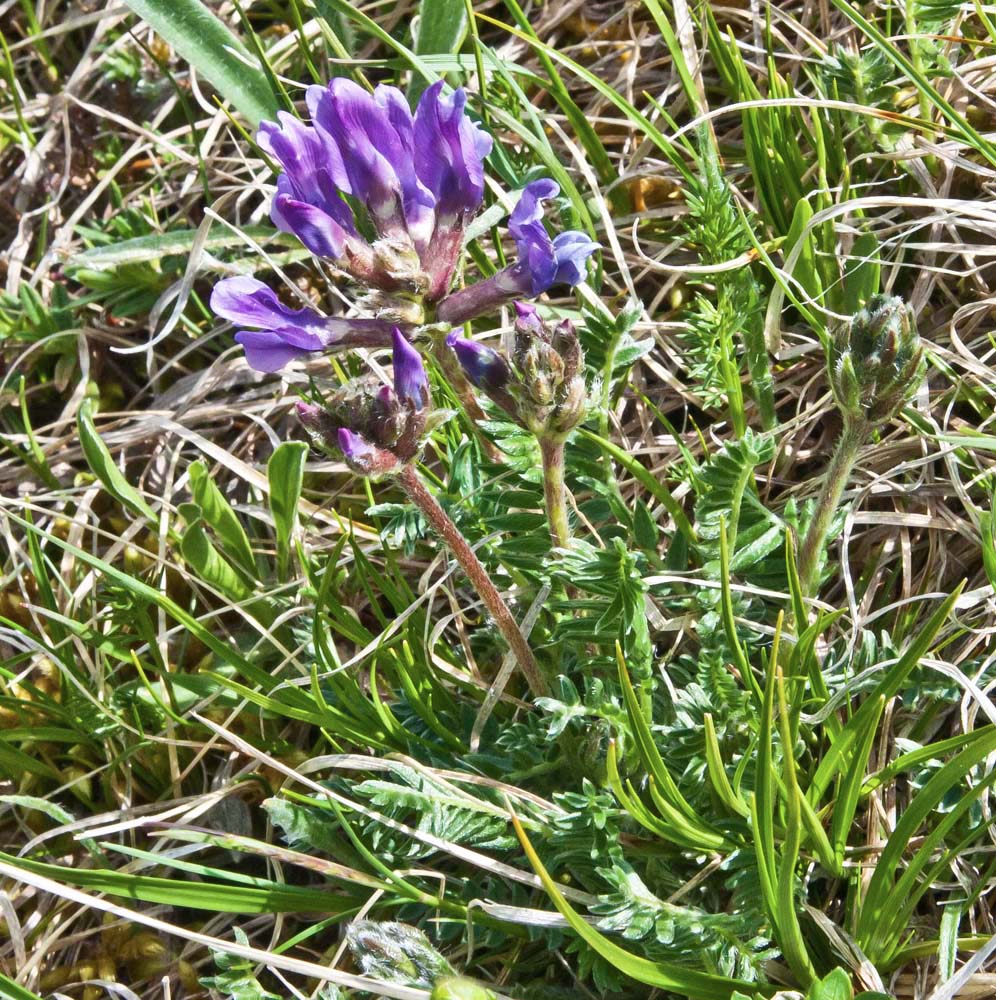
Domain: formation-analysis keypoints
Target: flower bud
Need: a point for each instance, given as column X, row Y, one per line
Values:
column 410, row 380
column 550, row 363
column 541, row 386
column 376, row 427
column 875, row 361
column 363, row 457
column 485, row 368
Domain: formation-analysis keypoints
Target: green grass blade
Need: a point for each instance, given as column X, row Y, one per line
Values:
column 10, row 990
column 442, row 28
column 207, row 44
column 216, row 896
column 838, row 756
column 889, row 900
column 657, row 489
column 846, row 801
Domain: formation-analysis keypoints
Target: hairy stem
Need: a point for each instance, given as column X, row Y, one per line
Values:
column 834, row 483
column 477, row 574
column 554, row 493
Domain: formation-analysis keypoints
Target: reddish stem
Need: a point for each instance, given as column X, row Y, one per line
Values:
column 477, row 574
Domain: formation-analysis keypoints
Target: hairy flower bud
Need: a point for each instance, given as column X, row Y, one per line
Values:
column 541, row 385
column 875, row 361
column 550, row 364
column 376, row 427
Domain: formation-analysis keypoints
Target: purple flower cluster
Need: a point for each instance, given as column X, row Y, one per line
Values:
column 419, row 179
column 367, row 165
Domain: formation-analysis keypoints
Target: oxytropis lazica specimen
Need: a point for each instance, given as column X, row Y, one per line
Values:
column 385, row 196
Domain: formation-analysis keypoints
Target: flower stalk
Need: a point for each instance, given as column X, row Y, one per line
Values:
column 554, row 493
column 875, row 365
column 835, row 481
column 449, row 534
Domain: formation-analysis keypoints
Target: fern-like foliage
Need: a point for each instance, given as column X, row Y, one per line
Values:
column 728, row 943
column 728, row 308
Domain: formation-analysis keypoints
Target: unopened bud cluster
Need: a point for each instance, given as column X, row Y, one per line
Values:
column 376, row 427
column 875, row 360
column 540, row 383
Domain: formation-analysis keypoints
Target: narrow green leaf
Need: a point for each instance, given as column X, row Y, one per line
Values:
column 799, row 244
column 862, row 274
column 210, row 48
column 175, row 243
column 442, row 27
column 654, row 763
column 218, row 513
column 838, row 756
column 14, row 763
column 100, row 460
column 717, row 772
column 10, row 990
column 215, row 897
column 202, row 556
column 846, row 801
column 285, row 472
column 878, row 930
column 947, row 951
column 789, row 936
column 657, row 489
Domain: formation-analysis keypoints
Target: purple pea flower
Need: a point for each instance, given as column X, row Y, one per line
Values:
column 484, row 367
column 411, row 384
column 283, row 333
column 543, row 262
column 420, row 178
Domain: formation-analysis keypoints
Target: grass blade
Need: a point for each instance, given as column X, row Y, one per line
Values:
column 207, row 44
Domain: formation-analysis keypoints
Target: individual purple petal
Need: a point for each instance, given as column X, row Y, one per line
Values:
column 315, row 228
column 527, row 314
column 309, row 414
column 483, row 366
column 449, row 154
column 353, row 446
column 411, row 384
column 374, row 156
column 248, row 301
column 267, row 351
column 362, row 456
column 536, row 254
column 571, row 249
column 310, row 164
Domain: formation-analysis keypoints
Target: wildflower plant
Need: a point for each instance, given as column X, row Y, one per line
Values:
column 542, row 647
